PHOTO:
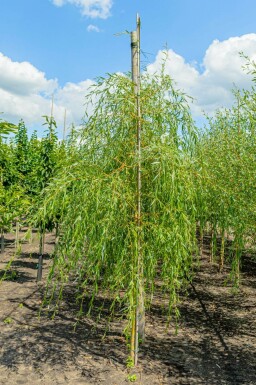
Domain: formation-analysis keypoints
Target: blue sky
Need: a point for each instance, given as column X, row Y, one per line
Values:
column 65, row 44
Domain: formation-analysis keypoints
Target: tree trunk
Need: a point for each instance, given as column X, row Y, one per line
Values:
column 2, row 241
column 201, row 241
column 17, row 242
column 222, row 251
column 40, row 259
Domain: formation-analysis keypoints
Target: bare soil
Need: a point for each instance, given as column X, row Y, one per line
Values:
column 215, row 343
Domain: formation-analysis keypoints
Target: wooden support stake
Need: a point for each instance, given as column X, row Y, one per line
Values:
column 64, row 126
column 138, row 321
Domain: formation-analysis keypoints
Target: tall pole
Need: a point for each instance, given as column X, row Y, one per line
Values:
column 64, row 127
column 51, row 117
column 138, row 322
column 52, row 106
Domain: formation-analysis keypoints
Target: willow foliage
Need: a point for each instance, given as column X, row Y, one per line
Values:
column 95, row 192
column 227, row 165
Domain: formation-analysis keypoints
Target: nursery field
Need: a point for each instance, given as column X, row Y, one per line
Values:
column 215, row 342
column 147, row 227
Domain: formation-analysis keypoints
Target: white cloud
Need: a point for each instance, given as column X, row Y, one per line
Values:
column 58, row 3
column 23, row 78
column 93, row 28
column 26, row 93
column 91, row 8
column 72, row 97
column 220, row 71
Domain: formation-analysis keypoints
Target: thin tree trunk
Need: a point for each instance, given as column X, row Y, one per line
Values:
column 237, row 270
column 201, row 241
column 56, row 233
column 222, row 251
column 40, row 259
column 17, row 235
column 213, row 243
column 30, row 235
column 238, row 253
column 40, row 268
column 2, row 241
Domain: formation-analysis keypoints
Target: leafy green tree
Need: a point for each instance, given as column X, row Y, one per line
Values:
column 13, row 202
column 96, row 195
column 226, row 162
column 48, row 153
column 6, row 128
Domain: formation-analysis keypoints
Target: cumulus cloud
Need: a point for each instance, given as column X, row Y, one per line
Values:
column 93, row 28
column 90, row 8
column 72, row 97
column 211, row 83
column 23, row 78
column 25, row 91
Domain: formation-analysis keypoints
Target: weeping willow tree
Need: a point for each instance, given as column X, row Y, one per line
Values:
column 225, row 158
column 95, row 195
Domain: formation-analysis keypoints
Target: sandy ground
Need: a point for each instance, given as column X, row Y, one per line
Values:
column 215, row 344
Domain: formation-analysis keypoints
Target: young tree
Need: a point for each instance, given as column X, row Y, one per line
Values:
column 96, row 194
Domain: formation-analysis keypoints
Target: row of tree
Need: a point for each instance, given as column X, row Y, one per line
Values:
column 26, row 166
